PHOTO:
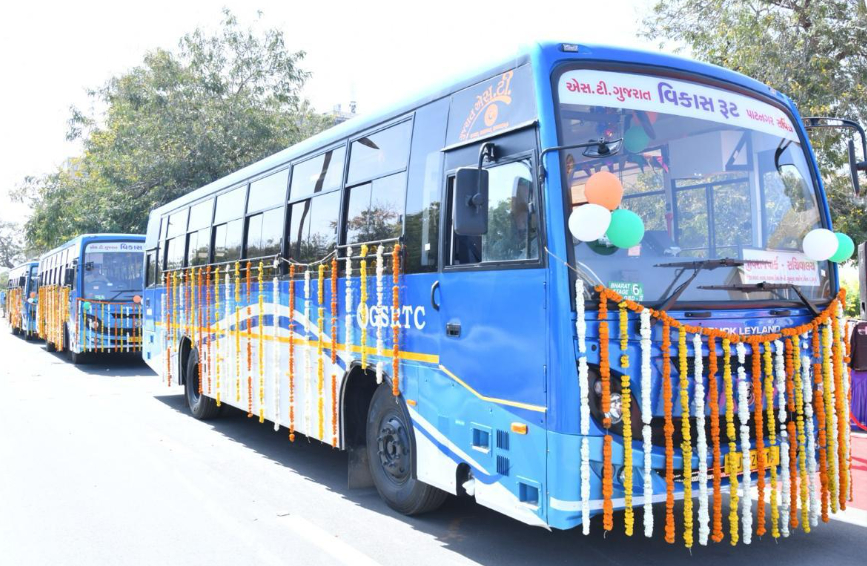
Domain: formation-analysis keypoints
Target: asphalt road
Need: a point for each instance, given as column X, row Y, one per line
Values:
column 101, row 464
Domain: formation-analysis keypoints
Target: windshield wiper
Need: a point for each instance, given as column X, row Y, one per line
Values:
column 116, row 295
column 697, row 267
column 770, row 287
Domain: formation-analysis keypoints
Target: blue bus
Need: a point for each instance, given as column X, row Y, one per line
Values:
column 89, row 299
column 569, row 284
column 20, row 312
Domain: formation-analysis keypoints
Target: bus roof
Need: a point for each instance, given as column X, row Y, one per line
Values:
column 83, row 238
column 545, row 55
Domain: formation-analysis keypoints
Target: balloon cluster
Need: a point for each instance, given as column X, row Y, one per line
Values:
column 821, row 244
column 601, row 217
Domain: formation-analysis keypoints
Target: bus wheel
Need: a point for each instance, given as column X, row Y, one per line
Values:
column 392, row 461
column 49, row 346
column 201, row 406
column 15, row 331
column 27, row 335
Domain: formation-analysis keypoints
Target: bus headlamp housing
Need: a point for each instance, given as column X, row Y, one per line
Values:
column 615, row 409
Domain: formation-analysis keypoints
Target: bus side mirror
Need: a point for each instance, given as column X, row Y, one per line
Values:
column 854, row 167
column 471, row 202
column 68, row 276
column 22, row 281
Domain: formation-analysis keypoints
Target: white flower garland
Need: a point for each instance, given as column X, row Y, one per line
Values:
column 584, row 387
column 744, row 418
column 833, row 455
column 164, row 376
column 380, row 269
column 308, row 365
column 811, row 440
column 646, row 415
column 275, row 347
column 350, row 339
column 780, row 386
column 701, row 442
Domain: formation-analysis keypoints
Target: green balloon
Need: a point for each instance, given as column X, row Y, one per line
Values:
column 635, row 139
column 86, row 306
column 626, row 228
column 845, row 248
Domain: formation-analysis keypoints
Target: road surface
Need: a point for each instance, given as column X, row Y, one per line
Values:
column 101, row 464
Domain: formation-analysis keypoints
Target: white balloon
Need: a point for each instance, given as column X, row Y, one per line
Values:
column 820, row 244
column 589, row 222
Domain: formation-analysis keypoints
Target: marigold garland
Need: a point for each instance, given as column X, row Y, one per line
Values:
column 733, row 448
column 292, row 352
column 334, row 352
column 308, row 363
column 717, row 534
column 624, row 335
column 813, row 503
column 758, row 418
column 792, row 436
column 227, row 329
column 668, row 429
column 686, row 445
column 831, row 416
column 626, row 399
column 395, row 323
column 217, row 336
column 197, row 322
column 209, row 320
column 820, row 423
column 320, row 370
column 350, row 339
column 605, row 373
column 800, row 429
column 839, row 405
column 237, row 352
column 169, row 283
column 275, row 346
column 260, row 362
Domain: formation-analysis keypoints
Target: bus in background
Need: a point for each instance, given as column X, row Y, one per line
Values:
column 89, row 298
column 528, row 287
column 20, row 308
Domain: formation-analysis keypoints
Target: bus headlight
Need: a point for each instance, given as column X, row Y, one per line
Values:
column 615, row 407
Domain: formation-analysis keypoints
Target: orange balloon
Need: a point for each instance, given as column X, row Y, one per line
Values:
column 604, row 188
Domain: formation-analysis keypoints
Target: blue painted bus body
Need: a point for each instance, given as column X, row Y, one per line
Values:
column 23, row 277
column 513, row 361
column 94, row 323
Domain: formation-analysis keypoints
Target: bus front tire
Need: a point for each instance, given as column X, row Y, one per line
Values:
column 390, row 451
column 49, row 347
column 201, row 406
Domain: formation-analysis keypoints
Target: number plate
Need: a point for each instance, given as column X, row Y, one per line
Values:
column 734, row 462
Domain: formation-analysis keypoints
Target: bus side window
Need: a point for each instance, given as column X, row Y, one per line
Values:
column 423, row 187
column 313, row 227
column 151, row 269
column 512, row 221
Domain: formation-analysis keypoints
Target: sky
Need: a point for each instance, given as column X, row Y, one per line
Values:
column 373, row 53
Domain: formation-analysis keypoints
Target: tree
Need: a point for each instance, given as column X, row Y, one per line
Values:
column 12, row 250
column 815, row 51
column 176, row 122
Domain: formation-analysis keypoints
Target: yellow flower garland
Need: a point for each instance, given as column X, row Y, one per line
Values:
column 237, row 332
column 320, row 370
column 626, row 400
column 802, row 437
column 624, row 335
column 216, row 332
column 686, row 445
column 261, row 339
column 830, row 433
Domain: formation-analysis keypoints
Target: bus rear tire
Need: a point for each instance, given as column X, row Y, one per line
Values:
column 201, row 406
column 15, row 331
column 49, row 347
column 390, row 451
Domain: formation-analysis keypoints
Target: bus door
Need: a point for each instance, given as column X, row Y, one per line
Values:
column 490, row 298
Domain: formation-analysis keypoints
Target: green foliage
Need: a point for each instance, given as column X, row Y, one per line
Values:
column 176, row 122
column 815, row 51
column 12, row 248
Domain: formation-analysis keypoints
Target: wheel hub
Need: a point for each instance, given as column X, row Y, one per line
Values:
column 393, row 448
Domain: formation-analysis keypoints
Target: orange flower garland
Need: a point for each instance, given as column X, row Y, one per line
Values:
column 395, row 324
column 772, row 439
column 733, row 454
column 839, row 405
column 334, row 352
column 793, row 439
column 827, row 390
column 209, row 321
column 755, row 344
column 605, row 373
column 669, row 431
column 717, row 533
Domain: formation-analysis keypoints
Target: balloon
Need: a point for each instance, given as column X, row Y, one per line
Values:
column 626, row 229
column 845, row 248
column 604, row 189
column 635, row 139
column 589, row 222
column 820, row 244
column 86, row 306
column 136, row 299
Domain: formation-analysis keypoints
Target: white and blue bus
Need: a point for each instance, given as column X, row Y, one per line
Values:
column 20, row 312
column 457, row 292
column 89, row 299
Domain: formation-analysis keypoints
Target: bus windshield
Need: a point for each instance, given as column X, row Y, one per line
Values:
column 112, row 271
column 712, row 173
